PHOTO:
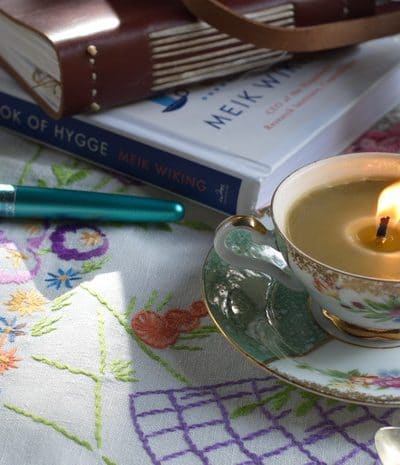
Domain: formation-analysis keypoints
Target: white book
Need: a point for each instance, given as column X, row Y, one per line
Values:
column 228, row 145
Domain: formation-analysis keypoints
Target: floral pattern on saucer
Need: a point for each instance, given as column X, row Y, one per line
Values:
column 273, row 326
column 352, row 379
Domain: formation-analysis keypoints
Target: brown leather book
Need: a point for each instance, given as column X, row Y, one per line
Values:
column 89, row 55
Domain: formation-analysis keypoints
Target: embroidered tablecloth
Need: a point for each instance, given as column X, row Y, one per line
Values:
column 107, row 355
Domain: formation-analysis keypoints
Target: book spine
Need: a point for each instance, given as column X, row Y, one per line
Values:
column 122, row 154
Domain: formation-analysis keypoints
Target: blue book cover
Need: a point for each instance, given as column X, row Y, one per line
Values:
column 229, row 144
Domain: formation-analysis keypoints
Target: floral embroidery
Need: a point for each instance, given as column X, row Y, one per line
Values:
column 76, row 242
column 91, row 238
column 16, row 257
column 379, row 141
column 154, row 329
column 62, row 278
column 26, row 302
column 161, row 331
column 7, row 358
column 11, row 329
column 198, row 308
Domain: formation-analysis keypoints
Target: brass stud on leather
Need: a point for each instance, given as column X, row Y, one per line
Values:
column 92, row 50
column 94, row 106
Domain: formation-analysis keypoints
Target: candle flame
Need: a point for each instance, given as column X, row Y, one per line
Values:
column 389, row 202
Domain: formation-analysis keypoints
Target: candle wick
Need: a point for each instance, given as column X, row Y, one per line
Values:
column 382, row 229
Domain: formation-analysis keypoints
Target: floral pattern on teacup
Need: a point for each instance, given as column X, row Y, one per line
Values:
column 369, row 299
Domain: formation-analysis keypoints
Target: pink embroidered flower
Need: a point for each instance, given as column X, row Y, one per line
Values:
column 379, row 141
column 154, row 329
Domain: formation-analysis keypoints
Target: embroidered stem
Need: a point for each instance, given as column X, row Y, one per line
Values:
column 63, row 366
column 28, row 166
column 99, row 382
column 140, row 343
column 102, row 342
column 97, row 408
column 45, row 421
column 103, row 181
column 107, row 461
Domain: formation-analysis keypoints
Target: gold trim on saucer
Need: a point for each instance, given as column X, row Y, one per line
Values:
column 364, row 333
column 245, row 221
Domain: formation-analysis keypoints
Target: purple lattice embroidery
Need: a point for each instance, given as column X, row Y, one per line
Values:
column 192, row 425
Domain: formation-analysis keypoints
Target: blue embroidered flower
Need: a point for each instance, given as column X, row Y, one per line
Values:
column 63, row 277
column 10, row 328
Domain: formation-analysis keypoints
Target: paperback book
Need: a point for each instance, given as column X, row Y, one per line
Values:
column 229, row 144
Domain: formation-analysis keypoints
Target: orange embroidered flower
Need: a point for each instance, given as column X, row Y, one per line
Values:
column 7, row 358
column 181, row 319
column 198, row 308
column 154, row 330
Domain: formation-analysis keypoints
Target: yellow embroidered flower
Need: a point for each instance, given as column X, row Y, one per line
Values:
column 91, row 238
column 16, row 257
column 26, row 302
column 7, row 358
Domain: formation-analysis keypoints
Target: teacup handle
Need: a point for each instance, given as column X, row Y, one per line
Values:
column 273, row 264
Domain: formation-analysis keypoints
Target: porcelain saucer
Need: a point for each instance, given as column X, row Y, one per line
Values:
column 273, row 326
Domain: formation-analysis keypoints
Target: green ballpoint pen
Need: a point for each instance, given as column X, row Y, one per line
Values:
column 61, row 204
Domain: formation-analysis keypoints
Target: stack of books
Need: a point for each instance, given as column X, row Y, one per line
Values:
column 227, row 144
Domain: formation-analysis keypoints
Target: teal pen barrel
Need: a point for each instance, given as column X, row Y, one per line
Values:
column 37, row 202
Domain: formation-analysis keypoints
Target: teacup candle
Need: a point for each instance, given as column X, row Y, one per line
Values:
column 352, row 226
column 337, row 235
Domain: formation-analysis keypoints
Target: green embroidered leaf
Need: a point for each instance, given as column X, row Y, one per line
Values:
column 150, row 301
column 93, row 265
column 190, row 336
column 244, row 410
column 122, row 371
column 67, row 176
column 304, row 408
column 42, row 183
column 165, row 301
column 184, row 347
column 43, row 251
column 107, row 461
column 61, row 301
column 131, row 307
column 278, row 400
column 44, row 326
column 352, row 407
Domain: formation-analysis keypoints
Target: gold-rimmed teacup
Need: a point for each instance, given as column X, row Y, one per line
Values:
column 365, row 307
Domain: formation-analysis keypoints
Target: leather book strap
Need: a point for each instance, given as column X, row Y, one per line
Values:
column 299, row 39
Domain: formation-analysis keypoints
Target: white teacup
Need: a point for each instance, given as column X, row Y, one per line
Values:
column 346, row 299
